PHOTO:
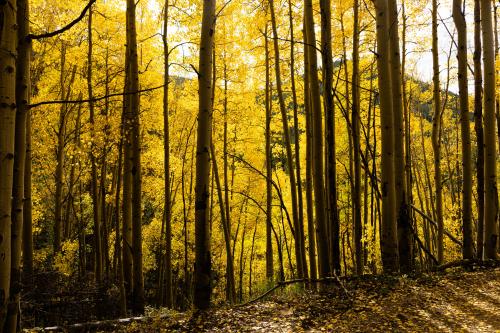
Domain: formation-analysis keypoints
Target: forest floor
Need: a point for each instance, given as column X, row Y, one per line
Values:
column 455, row 301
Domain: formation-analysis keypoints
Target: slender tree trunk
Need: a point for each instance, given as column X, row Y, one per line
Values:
column 311, row 231
column 436, row 131
column 22, row 95
column 490, row 172
column 299, row 239
column 27, row 211
column 459, row 19
column 138, row 279
column 127, row 186
column 269, row 172
column 388, row 241
column 225, row 208
column 478, row 127
column 203, row 288
column 59, row 173
column 230, row 282
column 8, row 31
column 407, row 150
column 331, row 164
column 297, row 138
column 404, row 237
column 118, row 236
column 355, row 122
column 94, row 181
column 317, row 137
column 166, row 137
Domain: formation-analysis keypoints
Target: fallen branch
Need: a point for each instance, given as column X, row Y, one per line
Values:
column 422, row 246
column 279, row 284
column 468, row 263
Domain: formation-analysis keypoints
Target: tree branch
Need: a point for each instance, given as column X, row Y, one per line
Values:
column 65, row 28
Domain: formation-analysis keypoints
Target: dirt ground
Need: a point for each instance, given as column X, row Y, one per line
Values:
column 458, row 301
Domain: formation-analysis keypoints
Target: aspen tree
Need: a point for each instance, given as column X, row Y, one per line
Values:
column 299, row 238
column 388, row 241
column 355, row 121
column 317, row 142
column 309, row 177
column 138, row 279
column 8, row 30
column 59, row 172
column 226, row 210
column 22, row 100
column 203, row 288
column 269, row 172
column 296, row 142
column 490, row 173
column 436, row 132
column 166, row 174
column 127, row 185
column 460, row 23
column 94, row 180
column 478, row 127
column 333, row 225
column 404, row 234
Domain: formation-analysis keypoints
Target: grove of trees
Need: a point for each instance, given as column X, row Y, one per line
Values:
column 184, row 153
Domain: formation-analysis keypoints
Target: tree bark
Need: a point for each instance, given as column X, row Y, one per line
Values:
column 478, row 128
column 436, row 132
column 404, row 234
column 355, row 121
column 331, row 164
column 138, row 279
column 93, row 161
column 490, row 172
column 8, row 30
column 203, row 288
column 388, row 241
column 317, row 139
column 166, row 139
column 22, row 96
column 230, row 282
column 269, row 172
column 460, row 23
column 311, row 230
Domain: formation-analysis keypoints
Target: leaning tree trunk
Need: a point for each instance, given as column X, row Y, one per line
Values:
column 202, row 283
column 226, row 210
column 459, row 18
column 436, row 132
column 230, row 283
column 388, row 241
column 490, row 172
column 478, row 128
column 8, row 32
